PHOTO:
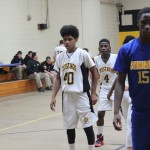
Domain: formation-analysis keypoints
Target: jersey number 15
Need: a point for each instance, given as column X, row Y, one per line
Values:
column 143, row 77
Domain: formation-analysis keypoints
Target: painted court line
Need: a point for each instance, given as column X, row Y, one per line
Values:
column 28, row 122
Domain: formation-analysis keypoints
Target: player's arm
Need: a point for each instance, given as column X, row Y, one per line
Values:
column 55, row 91
column 112, row 89
column 94, row 84
column 119, row 90
column 54, row 56
column 56, row 85
column 91, row 65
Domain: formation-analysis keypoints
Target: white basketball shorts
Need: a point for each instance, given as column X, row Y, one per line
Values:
column 126, row 100
column 129, row 128
column 77, row 106
column 103, row 103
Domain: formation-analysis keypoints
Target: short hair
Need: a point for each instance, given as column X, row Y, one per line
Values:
column 48, row 57
column 104, row 40
column 33, row 54
column 143, row 11
column 69, row 30
column 128, row 38
column 29, row 52
column 19, row 52
column 61, row 42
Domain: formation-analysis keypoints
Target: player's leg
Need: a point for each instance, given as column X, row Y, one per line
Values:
column 71, row 138
column 103, row 105
column 100, row 125
column 90, row 137
column 87, row 117
column 70, row 117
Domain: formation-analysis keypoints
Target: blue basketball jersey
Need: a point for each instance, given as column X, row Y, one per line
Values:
column 134, row 59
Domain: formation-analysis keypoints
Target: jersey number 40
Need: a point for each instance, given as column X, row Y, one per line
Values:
column 69, row 77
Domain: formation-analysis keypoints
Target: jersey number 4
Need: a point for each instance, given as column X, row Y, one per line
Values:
column 69, row 77
column 106, row 78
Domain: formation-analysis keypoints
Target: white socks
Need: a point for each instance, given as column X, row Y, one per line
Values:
column 100, row 130
column 72, row 146
column 91, row 147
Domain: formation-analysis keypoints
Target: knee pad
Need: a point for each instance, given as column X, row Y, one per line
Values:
column 71, row 136
column 90, row 135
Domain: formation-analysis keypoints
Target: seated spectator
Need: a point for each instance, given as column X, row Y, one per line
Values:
column 36, row 71
column 20, row 68
column 48, row 68
column 28, row 57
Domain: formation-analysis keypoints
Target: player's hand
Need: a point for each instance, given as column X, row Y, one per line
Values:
column 94, row 98
column 53, row 104
column 117, row 122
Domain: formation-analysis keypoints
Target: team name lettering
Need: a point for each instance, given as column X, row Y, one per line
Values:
column 138, row 65
column 69, row 66
column 106, row 69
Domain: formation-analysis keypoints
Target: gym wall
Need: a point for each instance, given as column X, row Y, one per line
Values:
column 128, row 18
column 95, row 20
column 19, row 34
column 110, row 25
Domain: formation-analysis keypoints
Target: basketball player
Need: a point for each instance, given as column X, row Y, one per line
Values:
column 134, row 59
column 104, row 64
column 71, row 67
column 126, row 104
column 59, row 49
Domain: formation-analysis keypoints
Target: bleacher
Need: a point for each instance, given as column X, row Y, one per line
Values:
column 10, row 86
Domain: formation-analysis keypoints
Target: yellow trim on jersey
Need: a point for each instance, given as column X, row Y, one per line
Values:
column 138, row 65
column 69, row 66
column 103, row 69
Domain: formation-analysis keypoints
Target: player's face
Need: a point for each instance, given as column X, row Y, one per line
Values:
column 104, row 48
column 144, row 25
column 70, row 42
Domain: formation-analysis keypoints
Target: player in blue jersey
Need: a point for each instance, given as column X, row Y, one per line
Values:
column 134, row 59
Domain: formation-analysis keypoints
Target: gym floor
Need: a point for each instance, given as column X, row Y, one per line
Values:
column 27, row 123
